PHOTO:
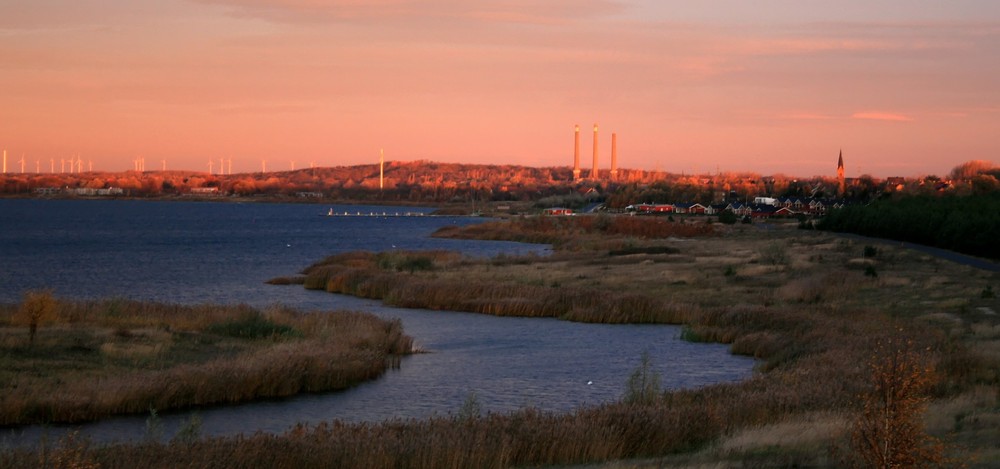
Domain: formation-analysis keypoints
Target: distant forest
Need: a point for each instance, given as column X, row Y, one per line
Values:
column 968, row 224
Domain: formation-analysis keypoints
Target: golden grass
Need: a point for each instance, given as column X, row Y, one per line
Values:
column 807, row 312
column 116, row 357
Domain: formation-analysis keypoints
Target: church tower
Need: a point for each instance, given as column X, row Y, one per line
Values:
column 841, row 182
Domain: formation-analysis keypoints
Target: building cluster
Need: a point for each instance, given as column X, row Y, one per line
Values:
column 80, row 191
column 761, row 207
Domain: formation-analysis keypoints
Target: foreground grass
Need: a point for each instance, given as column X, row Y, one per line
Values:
column 812, row 307
column 108, row 357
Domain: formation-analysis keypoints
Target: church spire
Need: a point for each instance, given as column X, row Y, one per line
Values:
column 841, row 182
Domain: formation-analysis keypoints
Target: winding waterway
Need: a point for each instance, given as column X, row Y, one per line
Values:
column 188, row 252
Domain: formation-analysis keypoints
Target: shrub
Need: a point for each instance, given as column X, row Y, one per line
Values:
column 38, row 308
column 643, row 385
column 728, row 218
column 253, row 326
column 889, row 431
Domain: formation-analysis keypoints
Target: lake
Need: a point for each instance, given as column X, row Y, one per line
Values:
column 199, row 252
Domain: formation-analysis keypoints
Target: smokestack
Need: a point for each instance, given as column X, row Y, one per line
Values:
column 5, row 161
column 593, row 172
column 381, row 168
column 576, row 153
column 614, row 155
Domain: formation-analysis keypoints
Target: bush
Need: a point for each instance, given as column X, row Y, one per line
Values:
column 253, row 326
column 728, row 218
column 643, row 386
column 38, row 308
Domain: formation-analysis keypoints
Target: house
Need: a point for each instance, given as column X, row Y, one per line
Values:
column 739, row 208
column 205, row 190
column 783, row 212
column 763, row 211
column 693, row 208
column 715, row 209
column 651, row 208
column 557, row 211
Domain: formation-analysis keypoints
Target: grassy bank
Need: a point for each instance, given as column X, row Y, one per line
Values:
column 97, row 358
column 823, row 315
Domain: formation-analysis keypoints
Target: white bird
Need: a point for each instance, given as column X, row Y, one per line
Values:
column 589, row 383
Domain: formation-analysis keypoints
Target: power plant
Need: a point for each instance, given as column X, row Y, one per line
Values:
column 594, row 171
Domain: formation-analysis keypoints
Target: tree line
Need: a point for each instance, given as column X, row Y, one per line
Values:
column 968, row 224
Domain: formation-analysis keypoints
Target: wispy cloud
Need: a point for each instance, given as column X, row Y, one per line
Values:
column 808, row 116
column 882, row 116
column 506, row 11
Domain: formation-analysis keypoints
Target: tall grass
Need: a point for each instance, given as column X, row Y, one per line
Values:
column 89, row 368
column 505, row 299
column 573, row 233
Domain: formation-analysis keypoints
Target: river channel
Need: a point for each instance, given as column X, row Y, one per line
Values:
column 188, row 252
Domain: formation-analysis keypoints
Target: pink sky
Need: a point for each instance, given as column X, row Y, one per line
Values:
column 907, row 87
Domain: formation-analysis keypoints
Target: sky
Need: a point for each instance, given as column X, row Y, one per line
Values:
column 902, row 87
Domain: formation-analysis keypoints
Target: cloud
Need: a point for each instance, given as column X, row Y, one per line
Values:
column 881, row 116
column 502, row 11
column 806, row 116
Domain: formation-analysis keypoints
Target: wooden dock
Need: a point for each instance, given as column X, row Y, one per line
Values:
column 332, row 213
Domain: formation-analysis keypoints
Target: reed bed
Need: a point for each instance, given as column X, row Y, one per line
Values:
column 119, row 357
column 576, row 233
column 811, row 318
column 496, row 299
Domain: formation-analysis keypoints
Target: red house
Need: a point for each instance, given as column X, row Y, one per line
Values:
column 557, row 211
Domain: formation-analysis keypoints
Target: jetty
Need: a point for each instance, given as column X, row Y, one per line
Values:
column 333, row 213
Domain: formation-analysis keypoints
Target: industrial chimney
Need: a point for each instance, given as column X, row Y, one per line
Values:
column 593, row 172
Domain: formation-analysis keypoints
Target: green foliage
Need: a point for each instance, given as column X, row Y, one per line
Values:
column 870, row 271
column 253, row 326
column 728, row 218
column 730, row 271
column 987, row 293
column 404, row 261
column 967, row 224
column 690, row 335
column 643, row 385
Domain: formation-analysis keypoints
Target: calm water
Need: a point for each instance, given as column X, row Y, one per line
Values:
column 218, row 252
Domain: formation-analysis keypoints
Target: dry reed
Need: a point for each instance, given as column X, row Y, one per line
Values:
column 118, row 356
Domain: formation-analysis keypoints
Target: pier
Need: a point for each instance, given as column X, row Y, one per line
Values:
column 346, row 213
